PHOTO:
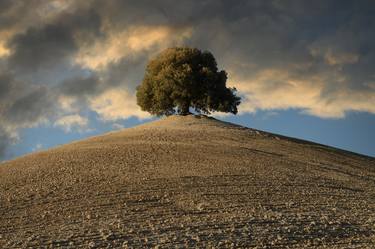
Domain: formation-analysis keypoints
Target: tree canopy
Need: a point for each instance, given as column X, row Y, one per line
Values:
column 181, row 78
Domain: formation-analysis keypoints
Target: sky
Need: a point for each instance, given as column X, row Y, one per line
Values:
column 69, row 69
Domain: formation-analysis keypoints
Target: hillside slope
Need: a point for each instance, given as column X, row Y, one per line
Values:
column 188, row 181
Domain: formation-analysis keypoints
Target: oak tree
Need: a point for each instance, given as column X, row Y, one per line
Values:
column 182, row 78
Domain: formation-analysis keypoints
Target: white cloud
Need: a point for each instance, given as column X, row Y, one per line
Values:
column 67, row 103
column 37, row 147
column 117, row 126
column 115, row 104
column 73, row 122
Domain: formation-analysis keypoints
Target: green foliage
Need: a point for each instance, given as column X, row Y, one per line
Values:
column 179, row 78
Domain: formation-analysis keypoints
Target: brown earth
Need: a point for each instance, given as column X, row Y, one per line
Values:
column 188, row 182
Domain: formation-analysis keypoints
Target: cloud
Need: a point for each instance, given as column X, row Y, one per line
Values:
column 22, row 106
column 5, row 140
column 5, row 84
column 280, row 90
column 31, row 107
column 80, row 86
column 38, row 147
column 129, row 42
column 117, row 126
column 4, row 52
column 117, row 104
column 72, row 122
column 16, row 17
column 47, row 46
column 61, row 58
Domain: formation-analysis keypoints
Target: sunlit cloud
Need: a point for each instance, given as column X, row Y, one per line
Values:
column 116, row 104
column 278, row 90
column 67, row 103
column 70, row 123
column 129, row 42
column 4, row 51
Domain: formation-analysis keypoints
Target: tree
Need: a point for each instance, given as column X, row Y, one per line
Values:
column 182, row 78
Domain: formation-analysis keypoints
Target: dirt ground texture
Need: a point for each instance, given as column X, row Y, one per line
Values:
column 188, row 181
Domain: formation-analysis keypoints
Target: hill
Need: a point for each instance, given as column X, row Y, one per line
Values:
column 188, row 181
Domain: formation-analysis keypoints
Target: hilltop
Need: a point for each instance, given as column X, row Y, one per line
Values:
column 188, row 181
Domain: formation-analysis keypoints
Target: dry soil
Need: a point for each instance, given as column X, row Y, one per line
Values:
column 188, row 182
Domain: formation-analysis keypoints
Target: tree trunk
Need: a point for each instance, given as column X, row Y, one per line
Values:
column 184, row 109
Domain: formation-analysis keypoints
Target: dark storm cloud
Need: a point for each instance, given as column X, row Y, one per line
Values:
column 5, row 84
column 268, row 32
column 6, row 20
column 50, row 45
column 30, row 107
column 21, row 106
column 5, row 5
column 41, row 48
column 18, row 14
column 80, row 86
column 313, row 55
